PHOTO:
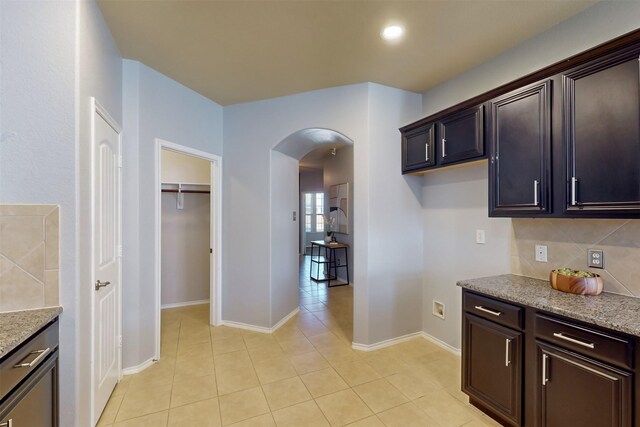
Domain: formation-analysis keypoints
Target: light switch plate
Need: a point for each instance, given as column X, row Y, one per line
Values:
column 595, row 258
column 480, row 237
column 541, row 253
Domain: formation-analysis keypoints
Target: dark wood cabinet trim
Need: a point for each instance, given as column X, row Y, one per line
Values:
column 622, row 42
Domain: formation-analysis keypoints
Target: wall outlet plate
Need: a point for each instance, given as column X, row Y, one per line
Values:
column 541, row 253
column 480, row 237
column 438, row 309
column 595, row 258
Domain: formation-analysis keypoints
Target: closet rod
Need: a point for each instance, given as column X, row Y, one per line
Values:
column 187, row 191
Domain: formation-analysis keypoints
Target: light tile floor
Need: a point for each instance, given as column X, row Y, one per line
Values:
column 305, row 374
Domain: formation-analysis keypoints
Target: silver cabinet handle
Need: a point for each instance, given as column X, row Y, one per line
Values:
column 545, row 379
column 444, row 148
column 41, row 355
column 426, row 152
column 573, row 340
column 7, row 423
column 486, row 310
column 574, row 191
column 507, row 352
column 100, row 284
column 535, row 192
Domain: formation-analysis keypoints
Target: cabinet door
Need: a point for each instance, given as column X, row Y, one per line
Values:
column 418, row 148
column 577, row 391
column 35, row 402
column 602, row 135
column 520, row 143
column 461, row 136
column 492, row 366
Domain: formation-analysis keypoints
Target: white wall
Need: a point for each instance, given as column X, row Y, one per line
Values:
column 386, row 293
column 455, row 201
column 185, row 249
column 38, row 97
column 185, row 235
column 54, row 56
column 178, row 168
column 455, row 206
column 250, row 132
column 154, row 106
column 284, row 235
column 394, row 243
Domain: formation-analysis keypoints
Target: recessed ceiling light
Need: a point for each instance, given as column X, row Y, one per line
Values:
column 392, row 32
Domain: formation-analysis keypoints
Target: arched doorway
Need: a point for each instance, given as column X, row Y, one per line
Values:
column 290, row 282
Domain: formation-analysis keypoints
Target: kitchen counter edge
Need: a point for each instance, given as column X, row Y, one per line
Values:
column 17, row 327
column 608, row 310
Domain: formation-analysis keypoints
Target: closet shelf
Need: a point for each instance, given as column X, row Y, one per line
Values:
column 172, row 187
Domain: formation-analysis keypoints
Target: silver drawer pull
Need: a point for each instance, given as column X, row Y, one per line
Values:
column 545, row 378
column 7, row 423
column 486, row 310
column 573, row 340
column 41, row 355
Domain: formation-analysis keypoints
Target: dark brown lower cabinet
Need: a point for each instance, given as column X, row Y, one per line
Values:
column 492, row 371
column 574, row 390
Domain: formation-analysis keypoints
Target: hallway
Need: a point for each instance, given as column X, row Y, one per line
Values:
column 304, row 374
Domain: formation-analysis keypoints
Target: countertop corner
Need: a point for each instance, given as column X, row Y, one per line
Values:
column 17, row 326
column 613, row 311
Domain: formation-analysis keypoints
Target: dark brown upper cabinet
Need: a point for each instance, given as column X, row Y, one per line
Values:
column 418, row 148
column 447, row 140
column 601, row 127
column 519, row 151
column 461, row 136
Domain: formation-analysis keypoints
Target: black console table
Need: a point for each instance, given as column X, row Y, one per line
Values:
column 328, row 260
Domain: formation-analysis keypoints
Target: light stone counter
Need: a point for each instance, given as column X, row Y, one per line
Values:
column 617, row 312
column 18, row 326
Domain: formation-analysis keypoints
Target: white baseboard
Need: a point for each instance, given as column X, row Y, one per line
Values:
column 184, row 304
column 385, row 343
column 261, row 329
column 404, row 338
column 138, row 368
column 285, row 319
column 442, row 344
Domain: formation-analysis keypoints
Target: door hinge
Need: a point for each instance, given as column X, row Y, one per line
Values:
column 119, row 161
column 210, row 250
column 119, row 341
column 120, row 251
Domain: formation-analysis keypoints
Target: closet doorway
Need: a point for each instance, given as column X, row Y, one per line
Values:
column 188, row 255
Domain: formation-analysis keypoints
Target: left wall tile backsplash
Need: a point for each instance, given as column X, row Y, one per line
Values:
column 29, row 256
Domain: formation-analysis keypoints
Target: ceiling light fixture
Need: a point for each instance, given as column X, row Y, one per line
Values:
column 392, row 33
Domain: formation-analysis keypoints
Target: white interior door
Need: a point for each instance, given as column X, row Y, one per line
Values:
column 106, row 259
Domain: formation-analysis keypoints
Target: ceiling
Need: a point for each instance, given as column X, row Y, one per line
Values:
column 234, row 51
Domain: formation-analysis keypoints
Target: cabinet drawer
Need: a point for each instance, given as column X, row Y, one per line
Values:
column 600, row 345
column 27, row 358
column 497, row 311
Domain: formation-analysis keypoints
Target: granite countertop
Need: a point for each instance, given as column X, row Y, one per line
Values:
column 617, row 312
column 17, row 326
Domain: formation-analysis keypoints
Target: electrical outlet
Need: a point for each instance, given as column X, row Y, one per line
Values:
column 541, row 253
column 438, row 309
column 595, row 258
column 480, row 237
column 294, row 215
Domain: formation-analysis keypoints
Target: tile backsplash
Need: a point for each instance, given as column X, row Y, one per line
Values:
column 567, row 241
column 29, row 256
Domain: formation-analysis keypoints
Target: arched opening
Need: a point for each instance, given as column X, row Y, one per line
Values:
column 307, row 168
